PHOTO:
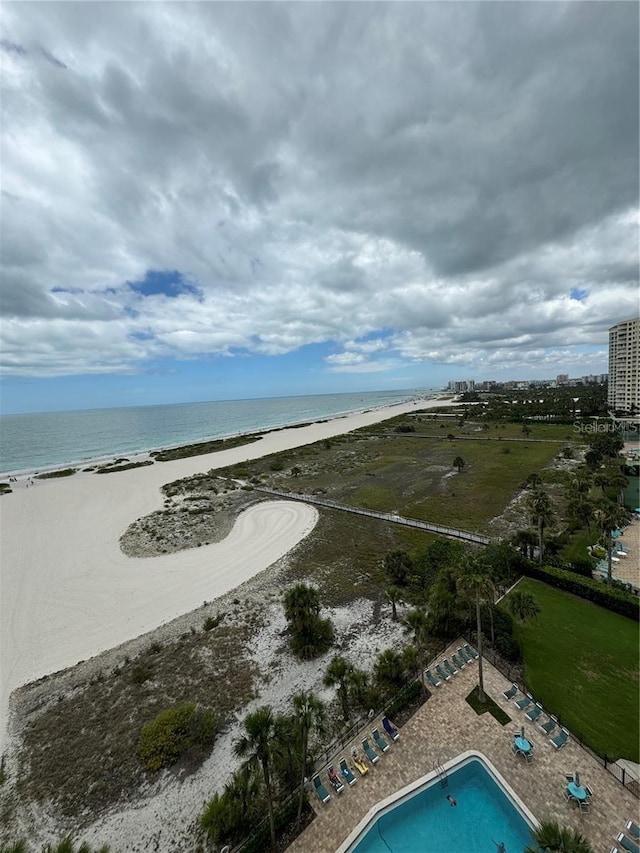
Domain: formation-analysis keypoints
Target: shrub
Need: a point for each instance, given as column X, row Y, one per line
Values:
column 175, row 731
column 141, row 672
column 613, row 598
column 211, row 622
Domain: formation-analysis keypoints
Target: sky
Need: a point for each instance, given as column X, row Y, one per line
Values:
column 233, row 200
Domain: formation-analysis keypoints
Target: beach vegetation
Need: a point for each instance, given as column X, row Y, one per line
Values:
column 174, row 732
column 459, row 463
column 5, row 489
column 201, row 447
column 394, row 594
column 311, row 635
column 126, row 466
column 337, row 675
column 257, row 747
column 51, row 475
column 228, row 816
column 141, row 672
column 550, row 837
column 212, row 622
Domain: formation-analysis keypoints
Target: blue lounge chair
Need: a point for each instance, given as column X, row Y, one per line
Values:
column 534, row 713
column 463, row 655
column 633, row 830
column 441, row 673
column 390, row 729
column 433, row 681
column 559, row 740
column 524, row 702
column 450, row 669
column 381, row 743
column 456, row 661
column 321, row 791
column 511, row 692
column 348, row 775
column 627, row 843
column 473, row 654
column 369, row 751
column 549, row 726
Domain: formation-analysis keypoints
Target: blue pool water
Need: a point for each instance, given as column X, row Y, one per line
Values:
column 427, row 823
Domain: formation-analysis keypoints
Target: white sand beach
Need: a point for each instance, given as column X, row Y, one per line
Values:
column 67, row 590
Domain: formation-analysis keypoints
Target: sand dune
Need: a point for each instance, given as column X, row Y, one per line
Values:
column 68, row 592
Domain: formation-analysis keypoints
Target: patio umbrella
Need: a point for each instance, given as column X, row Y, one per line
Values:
column 577, row 779
column 522, row 733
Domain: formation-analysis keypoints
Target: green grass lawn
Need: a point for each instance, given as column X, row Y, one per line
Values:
column 581, row 662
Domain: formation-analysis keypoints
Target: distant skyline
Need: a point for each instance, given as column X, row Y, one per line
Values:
column 217, row 201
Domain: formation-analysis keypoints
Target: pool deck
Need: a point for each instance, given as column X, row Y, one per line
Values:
column 444, row 727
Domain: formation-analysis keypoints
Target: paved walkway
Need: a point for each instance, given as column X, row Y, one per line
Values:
column 444, row 727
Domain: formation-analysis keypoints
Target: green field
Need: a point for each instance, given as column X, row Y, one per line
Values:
column 581, row 662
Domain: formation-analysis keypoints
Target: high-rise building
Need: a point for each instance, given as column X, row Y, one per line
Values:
column 624, row 366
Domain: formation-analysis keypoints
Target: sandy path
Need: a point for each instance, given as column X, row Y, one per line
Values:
column 68, row 592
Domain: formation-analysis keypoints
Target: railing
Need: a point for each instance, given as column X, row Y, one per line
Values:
column 450, row 532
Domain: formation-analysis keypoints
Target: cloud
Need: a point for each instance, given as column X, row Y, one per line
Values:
column 404, row 183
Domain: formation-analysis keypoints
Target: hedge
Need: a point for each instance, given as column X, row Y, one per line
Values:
column 614, row 599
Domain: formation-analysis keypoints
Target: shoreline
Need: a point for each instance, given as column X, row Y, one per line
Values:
column 64, row 576
column 144, row 454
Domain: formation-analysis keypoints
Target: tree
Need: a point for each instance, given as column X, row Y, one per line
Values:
column 394, row 596
column 397, row 565
column 228, row 816
column 541, row 509
column 523, row 605
column 389, row 671
column 309, row 713
column 474, row 581
column 337, row 675
column 532, row 481
column 416, row 623
column 256, row 748
column 412, row 662
column 459, row 463
column 551, row 838
column 609, row 517
column 526, row 429
column 525, row 541
column 359, row 688
column 310, row 635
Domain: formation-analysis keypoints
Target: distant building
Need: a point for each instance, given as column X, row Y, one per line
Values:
column 461, row 387
column 562, row 379
column 624, row 367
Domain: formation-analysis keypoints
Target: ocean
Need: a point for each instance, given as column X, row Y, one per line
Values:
column 34, row 442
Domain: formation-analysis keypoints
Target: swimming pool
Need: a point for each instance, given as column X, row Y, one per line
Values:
column 420, row 818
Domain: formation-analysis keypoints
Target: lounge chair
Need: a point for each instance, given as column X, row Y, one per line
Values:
column 511, row 692
column 390, row 729
column 369, row 751
column 456, row 661
column 359, row 764
column 380, row 742
column 450, row 669
column 441, row 673
column 463, row 655
column 627, row 843
column 334, row 780
column 473, row 654
column 560, row 740
column 348, row 775
column 321, row 791
column 534, row 713
column 549, row 726
column 633, row 830
column 433, row 681
column 524, row 702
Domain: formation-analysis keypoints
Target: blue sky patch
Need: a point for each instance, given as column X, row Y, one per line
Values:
column 164, row 282
column 578, row 294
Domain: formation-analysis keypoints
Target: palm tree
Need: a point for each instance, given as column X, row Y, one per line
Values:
column 459, row 463
column 389, row 671
column 359, row 689
column 416, row 622
column 525, row 541
column 309, row 713
column 523, row 605
column 619, row 482
column 337, row 674
column 552, row 838
column 541, row 509
column 393, row 594
column 609, row 517
column 412, row 662
column 474, row 581
column 256, row 748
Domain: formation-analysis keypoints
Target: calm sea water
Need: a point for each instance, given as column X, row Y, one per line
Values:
column 53, row 439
